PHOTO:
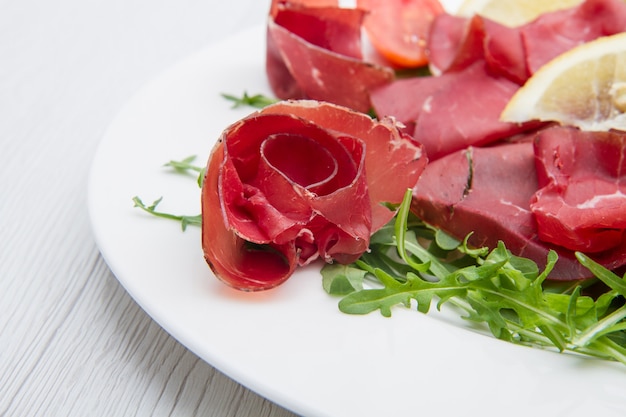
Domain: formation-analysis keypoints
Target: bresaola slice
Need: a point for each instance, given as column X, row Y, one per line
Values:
column 279, row 173
column 233, row 259
column 298, row 181
column 554, row 33
column 307, row 47
column 465, row 111
column 504, row 52
column 455, row 42
column 452, row 111
column 488, row 192
column 581, row 202
column 393, row 159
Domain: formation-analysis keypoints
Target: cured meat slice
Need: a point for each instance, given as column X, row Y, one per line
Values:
column 455, row 43
column 504, row 51
column 307, row 3
column 554, row 33
column 517, row 53
column 308, row 46
column 581, row 203
column 452, row 111
column 393, row 162
column 465, row 111
column 405, row 98
column 280, row 171
column 232, row 259
column 298, row 181
column 486, row 192
column 331, row 28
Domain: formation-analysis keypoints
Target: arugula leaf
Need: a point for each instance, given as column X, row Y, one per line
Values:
column 195, row 220
column 183, row 166
column 603, row 274
column 340, row 279
column 506, row 293
column 258, row 100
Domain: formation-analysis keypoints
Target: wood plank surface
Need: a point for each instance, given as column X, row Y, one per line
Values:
column 72, row 341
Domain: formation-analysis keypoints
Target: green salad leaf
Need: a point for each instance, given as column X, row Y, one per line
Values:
column 184, row 166
column 413, row 265
column 257, row 100
column 185, row 220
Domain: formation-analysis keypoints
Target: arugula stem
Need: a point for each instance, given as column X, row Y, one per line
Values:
column 258, row 101
column 596, row 330
column 600, row 348
column 435, row 266
column 184, row 220
column 400, row 228
column 605, row 348
column 185, row 165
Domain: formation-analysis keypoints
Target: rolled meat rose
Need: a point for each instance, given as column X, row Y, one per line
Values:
column 299, row 181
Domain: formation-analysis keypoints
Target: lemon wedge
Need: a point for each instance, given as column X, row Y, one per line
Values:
column 583, row 87
column 513, row 12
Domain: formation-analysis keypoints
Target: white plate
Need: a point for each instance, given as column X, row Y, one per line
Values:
column 291, row 344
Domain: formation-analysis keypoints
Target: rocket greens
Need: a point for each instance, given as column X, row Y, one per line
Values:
column 184, row 166
column 507, row 293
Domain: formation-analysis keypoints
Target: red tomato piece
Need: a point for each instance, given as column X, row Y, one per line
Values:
column 399, row 29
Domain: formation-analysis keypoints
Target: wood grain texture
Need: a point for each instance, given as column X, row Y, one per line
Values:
column 72, row 341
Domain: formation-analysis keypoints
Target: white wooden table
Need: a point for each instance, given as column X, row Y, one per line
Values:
column 72, row 341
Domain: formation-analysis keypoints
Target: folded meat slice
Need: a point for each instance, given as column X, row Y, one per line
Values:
column 452, row 111
column 518, row 52
column 300, row 181
column 504, row 51
column 465, row 111
column 581, row 203
column 232, row 258
column 307, row 47
column 393, row 160
column 405, row 98
column 455, row 42
column 554, row 33
column 308, row 3
column 486, row 191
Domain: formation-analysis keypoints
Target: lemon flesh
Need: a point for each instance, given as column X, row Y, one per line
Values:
column 583, row 87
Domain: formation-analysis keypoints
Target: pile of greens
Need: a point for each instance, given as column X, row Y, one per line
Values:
column 412, row 264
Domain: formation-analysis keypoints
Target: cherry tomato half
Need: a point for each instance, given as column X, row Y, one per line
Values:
column 398, row 29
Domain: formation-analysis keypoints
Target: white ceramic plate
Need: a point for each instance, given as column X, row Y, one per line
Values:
column 291, row 344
